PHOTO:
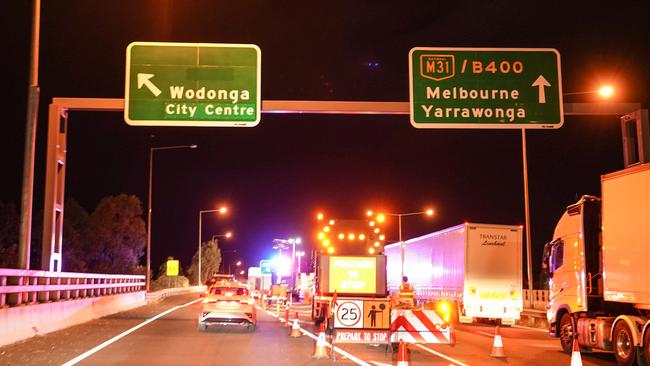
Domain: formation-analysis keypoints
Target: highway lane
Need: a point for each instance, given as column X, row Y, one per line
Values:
column 173, row 339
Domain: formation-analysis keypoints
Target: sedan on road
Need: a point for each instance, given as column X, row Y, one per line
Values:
column 228, row 305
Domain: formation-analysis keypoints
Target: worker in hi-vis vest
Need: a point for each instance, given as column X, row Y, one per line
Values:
column 406, row 292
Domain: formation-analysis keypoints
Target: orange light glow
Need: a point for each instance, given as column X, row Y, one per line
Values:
column 321, row 235
column 223, row 210
column 369, row 213
column 430, row 212
column 381, row 218
column 371, row 250
column 331, row 222
column 606, row 91
column 326, row 242
column 341, row 236
column 362, row 237
column 330, row 250
column 326, row 229
column 351, row 236
column 228, row 234
column 377, row 244
column 319, row 216
column 382, row 237
column 377, row 230
column 371, row 223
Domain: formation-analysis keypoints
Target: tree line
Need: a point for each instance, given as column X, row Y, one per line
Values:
column 110, row 239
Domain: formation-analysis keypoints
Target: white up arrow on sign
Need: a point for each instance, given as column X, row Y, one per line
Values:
column 144, row 79
column 541, row 82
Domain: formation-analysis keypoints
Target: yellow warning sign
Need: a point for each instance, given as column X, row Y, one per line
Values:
column 172, row 268
column 376, row 314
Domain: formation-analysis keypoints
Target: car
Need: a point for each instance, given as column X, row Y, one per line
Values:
column 219, row 277
column 228, row 304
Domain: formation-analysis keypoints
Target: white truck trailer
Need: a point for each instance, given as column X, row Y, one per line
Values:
column 477, row 268
column 597, row 263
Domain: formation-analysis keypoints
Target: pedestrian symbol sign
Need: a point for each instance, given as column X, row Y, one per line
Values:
column 376, row 314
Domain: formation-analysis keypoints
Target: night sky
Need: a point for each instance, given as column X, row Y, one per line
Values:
column 276, row 176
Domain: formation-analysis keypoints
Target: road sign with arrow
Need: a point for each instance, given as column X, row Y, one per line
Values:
column 485, row 88
column 192, row 84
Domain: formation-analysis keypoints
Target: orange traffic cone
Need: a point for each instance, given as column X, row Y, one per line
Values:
column 575, row 355
column 321, row 344
column 295, row 328
column 497, row 347
column 402, row 354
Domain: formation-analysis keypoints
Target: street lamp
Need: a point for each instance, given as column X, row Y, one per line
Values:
column 299, row 255
column 221, row 210
column 151, row 150
column 381, row 218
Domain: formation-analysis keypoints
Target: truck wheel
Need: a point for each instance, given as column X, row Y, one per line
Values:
column 624, row 348
column 566, row 333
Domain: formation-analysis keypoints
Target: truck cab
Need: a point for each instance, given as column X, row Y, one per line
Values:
column 571, row 262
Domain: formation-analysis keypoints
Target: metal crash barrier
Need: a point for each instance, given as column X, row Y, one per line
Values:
column 27, row 287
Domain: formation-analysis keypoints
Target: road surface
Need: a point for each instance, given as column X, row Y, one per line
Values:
column 166, row 334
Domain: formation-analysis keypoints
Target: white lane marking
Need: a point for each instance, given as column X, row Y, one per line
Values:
column 86, row 354
column 341, row 352
column 530, row 328
column 485, row 333
column 441, row 355
column 381, row 363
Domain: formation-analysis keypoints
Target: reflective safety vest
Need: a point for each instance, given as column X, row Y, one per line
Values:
column 406, row 291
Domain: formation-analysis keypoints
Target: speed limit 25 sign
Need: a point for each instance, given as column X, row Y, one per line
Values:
column 349, row 314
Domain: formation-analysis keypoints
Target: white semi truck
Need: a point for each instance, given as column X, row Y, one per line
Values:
column 477, row 268
column 597, row 263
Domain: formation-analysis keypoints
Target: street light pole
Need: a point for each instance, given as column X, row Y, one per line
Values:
column 221, row 210
column 149, row 210
column 399, row 216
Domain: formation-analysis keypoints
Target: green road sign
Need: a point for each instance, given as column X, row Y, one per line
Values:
column 172, row 267
column 192, row 84
column 485, row 88
column 266, row 266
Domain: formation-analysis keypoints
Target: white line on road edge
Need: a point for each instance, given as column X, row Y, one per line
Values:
column 440, row 355
column 530, row 328
column 343, row 353
column 86, row 354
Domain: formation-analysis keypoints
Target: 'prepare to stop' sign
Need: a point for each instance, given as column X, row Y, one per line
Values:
column 349, row 314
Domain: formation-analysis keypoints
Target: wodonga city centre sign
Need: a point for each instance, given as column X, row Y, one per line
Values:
column 192, row 84
column 485, row 88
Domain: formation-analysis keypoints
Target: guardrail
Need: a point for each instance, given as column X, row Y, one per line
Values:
column 540, row 299
column 19, row 286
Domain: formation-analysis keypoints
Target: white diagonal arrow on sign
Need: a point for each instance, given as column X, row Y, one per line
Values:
column 541, row 82
column 145, row 79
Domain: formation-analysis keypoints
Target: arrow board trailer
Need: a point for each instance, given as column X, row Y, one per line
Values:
column 476, row 267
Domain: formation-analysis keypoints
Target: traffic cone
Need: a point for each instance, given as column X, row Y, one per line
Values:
column 295, row 328
column 575, row 355
column 497, row 347
column 321, row 344
column 402, row 354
